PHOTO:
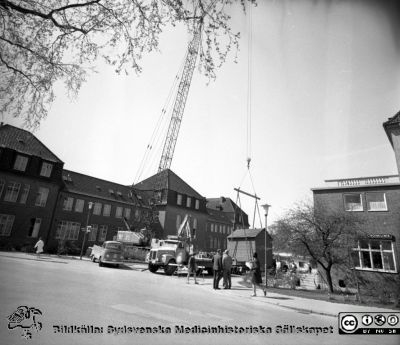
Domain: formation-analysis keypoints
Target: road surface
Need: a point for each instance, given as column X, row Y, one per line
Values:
column 82, row 303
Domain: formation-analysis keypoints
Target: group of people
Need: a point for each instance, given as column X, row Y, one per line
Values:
column 222, row 266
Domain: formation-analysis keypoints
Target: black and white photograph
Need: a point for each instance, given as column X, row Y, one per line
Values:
column 199, row 172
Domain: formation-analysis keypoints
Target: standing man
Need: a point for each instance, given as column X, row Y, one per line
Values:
column 217, row 267
column 226, row 268
column 192, row 268
column 39, row 246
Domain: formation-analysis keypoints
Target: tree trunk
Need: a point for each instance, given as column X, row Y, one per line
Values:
column 329, row 279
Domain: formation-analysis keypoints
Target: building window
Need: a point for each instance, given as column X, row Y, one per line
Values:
column 97, row 209
column 106, row 210
column 6, row 224
column 79, row 205
column 118, row 212
column 67, row 205
column 178, row 221
column 93, row 233
column 197, row 204
column 353, row 202
column 68, row 230
column 24, row 194
column 2, row 183
column 20, row 163
column 103, row 233
column 179, row 199
column 375, row 255
column 127, row 213
column 212, row 227
column 376, row 201
column 188, row 201
column 12, row 192
column 46, row 169
column 137, row 215
column 41, row 197
column 35, row 227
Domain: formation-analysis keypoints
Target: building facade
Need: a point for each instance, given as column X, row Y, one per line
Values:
column 178, row 201
column 105, row 206
column 375, row 203
column 39, row 198
column 30, row 181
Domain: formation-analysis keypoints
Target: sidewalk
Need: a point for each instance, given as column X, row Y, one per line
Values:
column 302, row 305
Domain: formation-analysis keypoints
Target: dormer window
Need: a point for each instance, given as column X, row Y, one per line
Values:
column 46, row 169
column 20, row 163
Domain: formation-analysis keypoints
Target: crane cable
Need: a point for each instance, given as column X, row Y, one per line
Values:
column 249, row 111
column 161, row 123
column 249, row 84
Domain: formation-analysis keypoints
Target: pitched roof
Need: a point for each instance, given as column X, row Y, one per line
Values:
column 391, row 123
column 92, row 186
column 226, row 204
column 25, row 142
column 172, row 182
column 245, row 233
column 393, row 119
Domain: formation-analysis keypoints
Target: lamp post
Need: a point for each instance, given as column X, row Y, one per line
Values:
column 90, row 204
column 266, row 208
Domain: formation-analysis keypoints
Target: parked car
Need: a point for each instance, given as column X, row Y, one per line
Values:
column 111, row 252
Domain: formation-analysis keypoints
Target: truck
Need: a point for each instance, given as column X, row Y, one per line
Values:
column 111, row 252
column 173, row 252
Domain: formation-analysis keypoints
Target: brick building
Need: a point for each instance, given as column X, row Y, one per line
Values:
column 375, row 201
column 38, row 198
column 179, row 199
column 114, row 207
column 30, row 181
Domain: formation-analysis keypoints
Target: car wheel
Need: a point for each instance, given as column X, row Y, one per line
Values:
column 170, row 269
column 153, row 268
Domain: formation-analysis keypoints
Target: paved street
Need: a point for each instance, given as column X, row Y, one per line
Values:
column 81, row 295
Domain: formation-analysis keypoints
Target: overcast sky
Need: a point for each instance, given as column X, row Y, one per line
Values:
column 325, row 76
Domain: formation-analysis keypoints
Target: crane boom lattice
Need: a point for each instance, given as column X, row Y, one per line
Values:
column 177, row 114
column 180, row 102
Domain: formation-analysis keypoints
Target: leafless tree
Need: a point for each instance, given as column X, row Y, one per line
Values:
column 324, row 235
column 46, row 41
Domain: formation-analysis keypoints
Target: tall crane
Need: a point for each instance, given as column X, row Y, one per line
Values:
column 177, row 113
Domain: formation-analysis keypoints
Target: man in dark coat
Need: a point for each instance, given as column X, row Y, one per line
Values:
column 217, row 268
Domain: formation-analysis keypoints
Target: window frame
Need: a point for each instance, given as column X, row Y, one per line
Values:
column 41, row 196
column 69, row 228
column 102, row 236
column 376, row 210
column 360, row 251
column 79, row 205
column 97, row 207
column 119, row 211
column 12, row 191
column 68, row 203
column 352, row 209
column 6, row 224
column 107, row 210
column 20, row 162
column 46, row 169
column 24, row 194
